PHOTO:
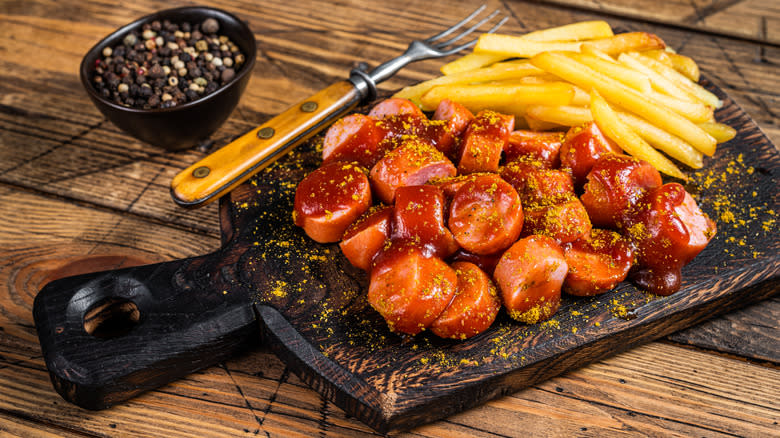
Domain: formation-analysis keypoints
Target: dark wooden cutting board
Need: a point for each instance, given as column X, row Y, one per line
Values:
column 109, row 336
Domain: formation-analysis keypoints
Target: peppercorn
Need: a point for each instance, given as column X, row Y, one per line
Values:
column 130, row 40
column 165, row 64
column 210, row 25
column 227, row 75
column 156, row 71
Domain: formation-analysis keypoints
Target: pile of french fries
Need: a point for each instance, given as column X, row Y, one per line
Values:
column 639, row 92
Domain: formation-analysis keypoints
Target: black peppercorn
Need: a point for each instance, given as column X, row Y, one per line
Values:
column 164, row 64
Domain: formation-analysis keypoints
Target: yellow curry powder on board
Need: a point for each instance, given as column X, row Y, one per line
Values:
column 724, row 204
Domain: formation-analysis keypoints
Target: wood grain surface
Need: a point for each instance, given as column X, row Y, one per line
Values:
column 77, row 195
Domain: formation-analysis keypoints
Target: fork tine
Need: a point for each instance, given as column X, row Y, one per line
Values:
column 456, row 26
column 468, row 31
column 471, row 43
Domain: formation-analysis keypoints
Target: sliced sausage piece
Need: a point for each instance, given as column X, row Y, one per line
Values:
column 537, row 185
column 451, row 185
column 457, row 118
column 615, row 184
column 483, row 142
column 412, row 164
column 419, row 216
column 669, row 230
column 486, row 215
column 329, row 199
column 529, row 277
column 402, row 127
column 393, row 107
column 474, row 307
column 597, row 264
column 565, row 221
column 354, row 138
column 409, row 288
column 581, row 148
column 541, row 146
column 364, row 238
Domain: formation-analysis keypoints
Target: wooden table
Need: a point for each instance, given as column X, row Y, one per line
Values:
column 78, row 195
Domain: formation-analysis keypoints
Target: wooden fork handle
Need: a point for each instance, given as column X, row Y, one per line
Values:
column 229, row 166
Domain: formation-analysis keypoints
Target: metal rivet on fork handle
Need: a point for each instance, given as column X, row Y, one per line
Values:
column 201, row 172
column 266, row 133
column 309, row 107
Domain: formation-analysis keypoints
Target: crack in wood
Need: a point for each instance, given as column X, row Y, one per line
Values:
column 282, row 380
column 21, row 363
column 244, row 397
column 66, row 142
column 17, row 111
column 146, row 187
column 323, row 421
column 39, row 421
column 511, row 12
column 713, row 8
column 632, row 413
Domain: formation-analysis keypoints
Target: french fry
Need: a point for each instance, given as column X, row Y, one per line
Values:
column 683, row 64
column 658, row 81
column 517, row 47
column 570, row 32
column 625, row 97
column 590, row 50
column 722, row 133
column 584, row 30
column 662, row 140
column 613, row 127
column 660, row 55
column 680, row 80
column 498, row 71
column 484, row 96
column 561, row 115
column 625, row 42
column 581, row 97
column 470, row 61
column 616, row 71
column 540, row 125
column 686, row 66
column 535, row 79
column 696, row 112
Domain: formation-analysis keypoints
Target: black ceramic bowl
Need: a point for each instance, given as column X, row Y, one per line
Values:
column 182, row 126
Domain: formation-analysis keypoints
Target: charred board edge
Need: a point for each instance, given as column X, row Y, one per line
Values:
column 724, row 335
column 171, row 339
column 365, row 402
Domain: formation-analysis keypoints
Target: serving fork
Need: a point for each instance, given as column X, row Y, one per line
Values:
column 223, row 170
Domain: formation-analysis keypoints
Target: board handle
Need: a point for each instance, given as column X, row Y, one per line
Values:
column 108, row 336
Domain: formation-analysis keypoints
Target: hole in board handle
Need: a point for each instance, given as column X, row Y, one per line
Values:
column 111, row 318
